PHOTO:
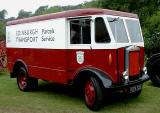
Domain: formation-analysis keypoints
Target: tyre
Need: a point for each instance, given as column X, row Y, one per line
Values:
column 93, row 94
column 25, row 83
column 135, row 94
column 154, row 73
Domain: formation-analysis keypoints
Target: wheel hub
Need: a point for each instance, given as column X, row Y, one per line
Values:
column 22, row 79
column 90, row 92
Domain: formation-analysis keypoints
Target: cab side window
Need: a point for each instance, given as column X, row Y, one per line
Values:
column 80, row 31
column 101, row 33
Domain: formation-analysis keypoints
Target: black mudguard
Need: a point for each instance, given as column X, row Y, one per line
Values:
column 104, row 78
column 19, row 63
column 107, row 81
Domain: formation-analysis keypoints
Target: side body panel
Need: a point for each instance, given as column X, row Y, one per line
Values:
column 109, row 61
column 47, row 64
column 41, row 46
column 101, row 59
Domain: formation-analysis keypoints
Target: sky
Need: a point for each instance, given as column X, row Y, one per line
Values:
column 14, row 6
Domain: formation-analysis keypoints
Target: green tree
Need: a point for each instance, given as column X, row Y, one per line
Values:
column 91, row 4
column 3, row 14
column 2, row 30
column 71, row 7
column 152, row 34
column 144, row 8
column 154, row 23
column 9, row 19
column 24, row 14
column 53, row 10
column 40, row 10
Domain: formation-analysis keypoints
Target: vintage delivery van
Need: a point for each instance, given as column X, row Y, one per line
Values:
column 93, row 49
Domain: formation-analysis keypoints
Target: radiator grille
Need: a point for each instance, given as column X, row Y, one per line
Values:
column 134, row 62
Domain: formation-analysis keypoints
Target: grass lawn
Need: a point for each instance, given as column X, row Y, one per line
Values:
column 54, row 98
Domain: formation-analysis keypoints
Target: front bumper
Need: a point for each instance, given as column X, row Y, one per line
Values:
column 141, row 80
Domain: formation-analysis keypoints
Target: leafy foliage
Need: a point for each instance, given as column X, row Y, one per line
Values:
column 3, row 21
column 53, row 10
column 152, row 34
column 24, row 14
column 91, row 4
column 46, row 10
column 3, row 13
column 40, row 10
column 152, row 44
column 144, row 8
column 2, row 30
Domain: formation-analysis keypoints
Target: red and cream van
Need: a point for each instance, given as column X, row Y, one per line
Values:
column 93, row 49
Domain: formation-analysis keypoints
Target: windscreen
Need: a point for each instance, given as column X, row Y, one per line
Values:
column 118, row 30
column 101, row 33
column 134, row 30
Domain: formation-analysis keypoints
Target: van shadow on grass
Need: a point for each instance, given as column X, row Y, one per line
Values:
column 113, row 98
column 3, row 74
column 55, row 88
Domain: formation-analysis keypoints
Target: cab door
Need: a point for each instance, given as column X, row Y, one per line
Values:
column 79, row 45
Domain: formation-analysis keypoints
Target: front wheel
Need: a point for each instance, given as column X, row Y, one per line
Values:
column 93, row 94
column 25, row 83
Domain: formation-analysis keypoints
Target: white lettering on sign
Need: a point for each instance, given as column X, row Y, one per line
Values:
column 47, row 31
column 42, row 34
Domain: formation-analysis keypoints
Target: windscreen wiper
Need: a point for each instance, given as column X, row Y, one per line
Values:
column 115, row 19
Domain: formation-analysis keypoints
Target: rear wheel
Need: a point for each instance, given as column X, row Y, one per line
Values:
column 93, row 94
column 25, row 83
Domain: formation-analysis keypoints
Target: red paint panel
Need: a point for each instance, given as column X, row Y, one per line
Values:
column 72, row 13
column 72, row 63
column 54, row 65
column 100, row 60
column 121, row 62
column 61, row 65
column 141, row 58
column 134, row 63
column 46, row 64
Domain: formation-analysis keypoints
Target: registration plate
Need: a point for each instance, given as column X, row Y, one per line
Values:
column 135, row 88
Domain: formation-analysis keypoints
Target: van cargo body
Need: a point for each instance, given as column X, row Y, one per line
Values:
column 93, row 49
